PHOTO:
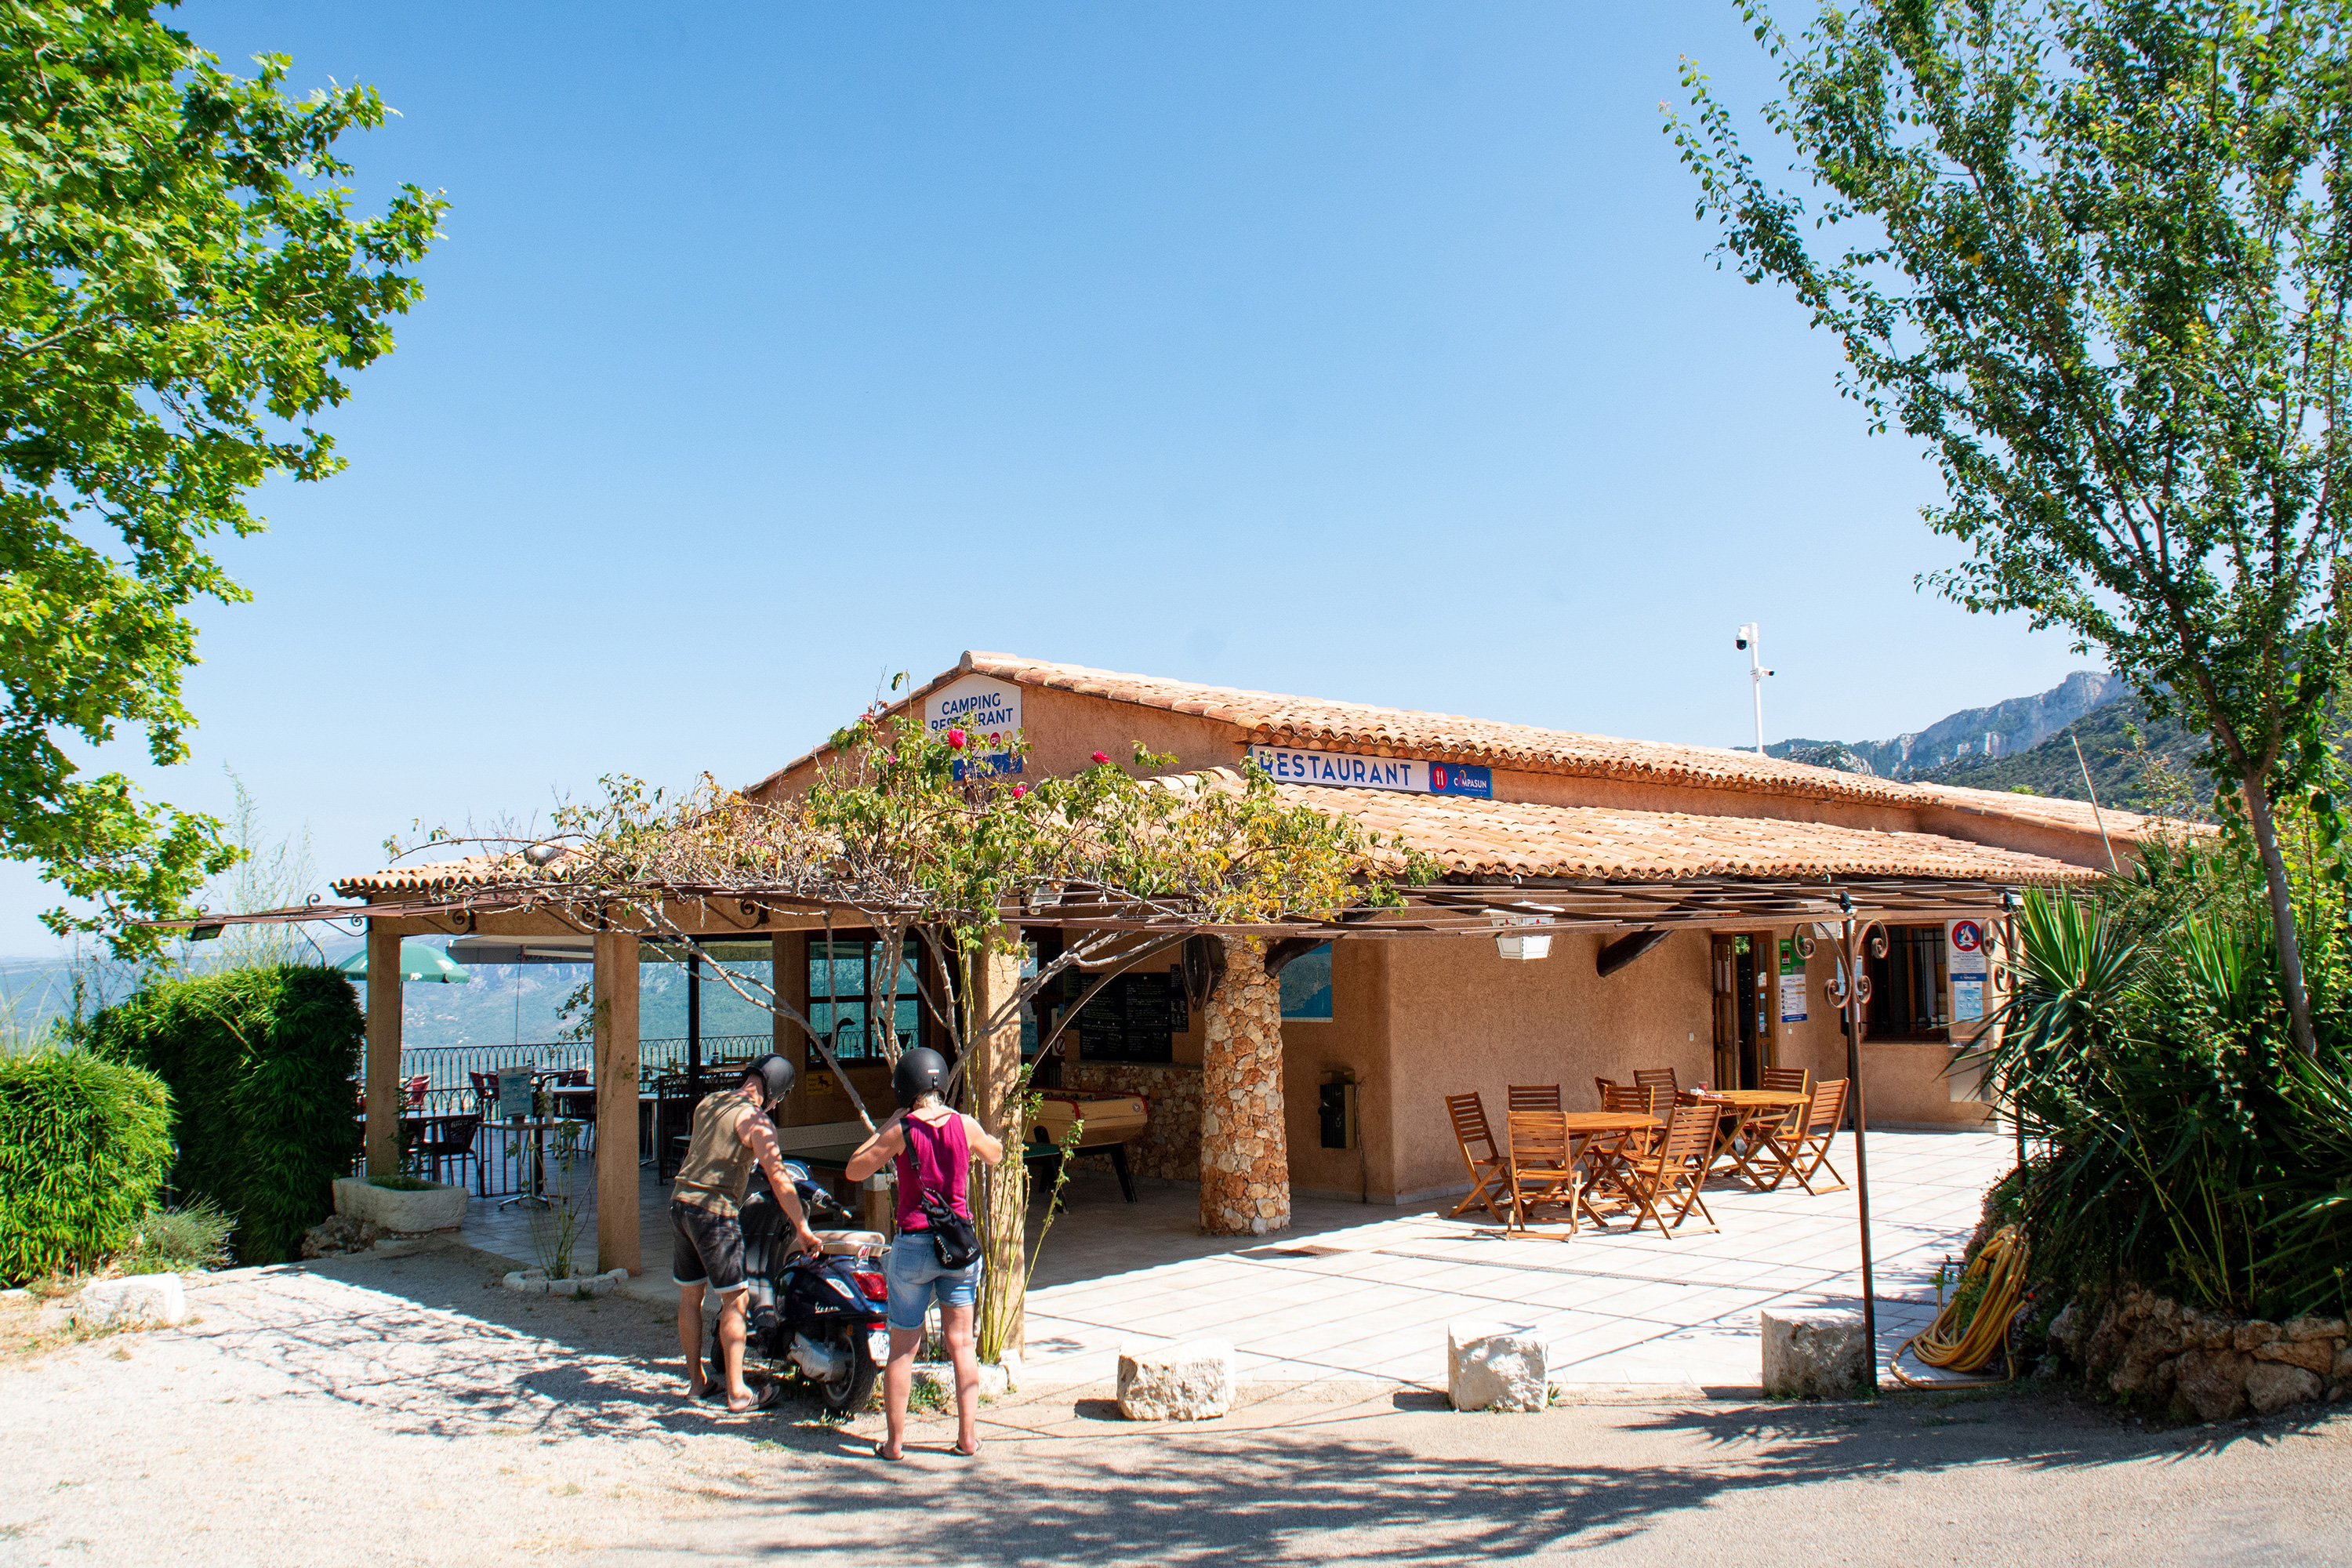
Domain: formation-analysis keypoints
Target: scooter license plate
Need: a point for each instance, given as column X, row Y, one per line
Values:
column 877, row 1345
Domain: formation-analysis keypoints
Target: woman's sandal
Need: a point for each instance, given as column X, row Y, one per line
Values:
column 961, row 1452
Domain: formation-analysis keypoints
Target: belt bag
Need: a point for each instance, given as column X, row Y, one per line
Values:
column 954, row 1242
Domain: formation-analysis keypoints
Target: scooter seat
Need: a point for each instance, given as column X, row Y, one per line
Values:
column 852, row 1243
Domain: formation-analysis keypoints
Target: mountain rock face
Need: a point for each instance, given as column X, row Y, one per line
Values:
column 2003, row 729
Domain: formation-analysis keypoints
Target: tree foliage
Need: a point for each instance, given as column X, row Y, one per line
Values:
column 183, row 287
column 2096, row 255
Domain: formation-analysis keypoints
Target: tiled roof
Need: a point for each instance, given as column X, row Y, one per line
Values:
column 1266, row 718
column 1512, row 838
column 431, row 876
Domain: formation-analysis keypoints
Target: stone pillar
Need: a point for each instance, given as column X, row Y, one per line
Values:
column 614, row 990
column 381, row 1074
column 1245, row 1154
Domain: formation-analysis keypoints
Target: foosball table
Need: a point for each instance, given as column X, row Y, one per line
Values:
column 1106, row 1124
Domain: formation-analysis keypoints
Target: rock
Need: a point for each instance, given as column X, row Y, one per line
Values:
column 2314, row 1356
column 2342, row 1372
column 2255, row 1332
column 939, row 1376
column 1818, row 1355
column 339, row 1234
column 2316, row 1329
column 2068, row 1328
column 1496, row 1366
column 2273, row 1386
column 1192, row 1381
column 2212, row 1384
column 136, row 1300
column 2154, row 1343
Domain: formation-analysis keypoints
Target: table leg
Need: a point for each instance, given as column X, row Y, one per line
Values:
column 1118, row 1164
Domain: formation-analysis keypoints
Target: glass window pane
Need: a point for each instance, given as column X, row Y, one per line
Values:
column 1307, row 985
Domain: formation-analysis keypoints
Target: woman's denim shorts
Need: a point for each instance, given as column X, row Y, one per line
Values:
column 916, row 1280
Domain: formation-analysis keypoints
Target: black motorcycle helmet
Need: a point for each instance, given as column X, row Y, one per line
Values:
column 776, row 1078
column 919, row 1072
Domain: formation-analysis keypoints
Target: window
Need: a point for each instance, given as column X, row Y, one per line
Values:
column 843, row 988
column 1906, row 986
column 1306, row 985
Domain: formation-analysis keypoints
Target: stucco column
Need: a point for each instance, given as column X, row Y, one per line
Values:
column 615, row 988
column 381, row 1074
column 995, row 1070
column 1244, row 1157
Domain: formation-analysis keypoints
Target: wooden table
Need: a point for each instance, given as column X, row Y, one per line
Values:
column 1589, row 1125
column 1751, row 1106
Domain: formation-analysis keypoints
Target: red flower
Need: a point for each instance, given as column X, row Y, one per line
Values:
column 955, row 740
column 1020, row 790
column 1102, row 756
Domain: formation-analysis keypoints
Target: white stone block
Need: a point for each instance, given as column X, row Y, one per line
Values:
column 437, row 1206
column 1496, row 1366
column 1191, row 1381
column 939, row 1376
column 1813, row 1355
column 136, row 1300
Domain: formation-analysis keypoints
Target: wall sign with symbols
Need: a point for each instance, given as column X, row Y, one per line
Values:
column 1965, row 966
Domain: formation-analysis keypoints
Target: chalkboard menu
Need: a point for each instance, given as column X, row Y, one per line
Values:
column 1132, row 1019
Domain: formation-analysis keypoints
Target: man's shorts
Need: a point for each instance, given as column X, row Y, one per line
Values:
column 916, row 1280
column 707, row 1247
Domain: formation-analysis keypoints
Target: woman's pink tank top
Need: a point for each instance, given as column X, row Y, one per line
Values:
column 936, row 1160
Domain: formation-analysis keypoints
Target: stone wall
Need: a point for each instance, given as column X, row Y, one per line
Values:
column 1245, row 1159
column 1170, row 1145
column 2198, row 1365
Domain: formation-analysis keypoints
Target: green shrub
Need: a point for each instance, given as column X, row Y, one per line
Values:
column 178, row 1241
column 261, row 1062
column 84, row 1144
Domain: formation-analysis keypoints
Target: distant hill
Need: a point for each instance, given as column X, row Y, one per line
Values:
column 1973, row 734
column 2125, row 752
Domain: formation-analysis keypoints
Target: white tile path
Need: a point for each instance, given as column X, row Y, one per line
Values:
column 1352, row 1292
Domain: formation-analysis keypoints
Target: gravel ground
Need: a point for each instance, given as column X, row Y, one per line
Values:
column 397, row 1408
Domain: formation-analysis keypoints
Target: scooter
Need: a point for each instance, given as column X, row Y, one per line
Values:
column 820, row 1319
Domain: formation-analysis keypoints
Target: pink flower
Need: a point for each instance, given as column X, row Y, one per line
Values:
column 1020, row 790
column 955, row 740
column 1102, row 756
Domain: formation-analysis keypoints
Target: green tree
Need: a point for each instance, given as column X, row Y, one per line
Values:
column 181, row 283
column 2093, row 255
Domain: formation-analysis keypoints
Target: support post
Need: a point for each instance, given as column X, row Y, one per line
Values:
column 1857, row 936
column 382, row 1073
column 994, row 1075
column 615, row 988
column 1245, row 1151
column 694, row 1024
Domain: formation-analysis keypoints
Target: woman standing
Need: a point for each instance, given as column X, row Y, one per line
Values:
column 933, row 1146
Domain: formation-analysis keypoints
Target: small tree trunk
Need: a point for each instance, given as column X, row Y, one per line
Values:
column 1245, row 1153
column 1004, row 1189
column 2290, row 947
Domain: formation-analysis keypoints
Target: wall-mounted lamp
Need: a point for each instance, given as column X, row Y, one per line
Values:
column 1520, row 947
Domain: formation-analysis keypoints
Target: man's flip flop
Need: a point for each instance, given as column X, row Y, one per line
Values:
column 770, row 1394
column 887, row 1459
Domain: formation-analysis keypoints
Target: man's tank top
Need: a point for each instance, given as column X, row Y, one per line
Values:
column 936, row 1160
column 716, row 1169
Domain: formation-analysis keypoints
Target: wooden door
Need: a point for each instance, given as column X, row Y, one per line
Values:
column 1725, row 971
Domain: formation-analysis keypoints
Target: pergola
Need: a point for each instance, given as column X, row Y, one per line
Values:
column 1844, row 911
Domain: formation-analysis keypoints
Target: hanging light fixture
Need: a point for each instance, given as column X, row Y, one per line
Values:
column 1516, row 946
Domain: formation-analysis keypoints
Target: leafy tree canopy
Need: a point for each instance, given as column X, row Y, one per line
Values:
column 2094, row 254
column 182, row 284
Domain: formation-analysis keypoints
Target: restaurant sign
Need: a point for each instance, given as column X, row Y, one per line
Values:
column 1341, row 770
column 989, row 713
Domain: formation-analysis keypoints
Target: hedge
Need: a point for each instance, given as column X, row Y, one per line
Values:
column 84, row 1144
column 260, row 1063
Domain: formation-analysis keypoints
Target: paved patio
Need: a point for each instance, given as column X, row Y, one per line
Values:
column 1352, row 1292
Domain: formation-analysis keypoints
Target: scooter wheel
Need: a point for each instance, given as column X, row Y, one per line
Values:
column 847, row 1395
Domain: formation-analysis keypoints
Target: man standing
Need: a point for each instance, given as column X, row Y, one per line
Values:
column 706, row 1215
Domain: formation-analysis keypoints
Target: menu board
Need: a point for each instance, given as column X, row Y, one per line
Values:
column 1134, row 1019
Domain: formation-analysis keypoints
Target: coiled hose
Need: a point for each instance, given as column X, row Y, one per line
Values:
column 1955, row 1346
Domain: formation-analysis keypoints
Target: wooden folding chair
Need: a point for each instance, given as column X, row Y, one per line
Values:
column 1535, row 1097
column 1756, row 1131
column 1677, row 1167
column 1803, row 1148
column 1601, row 1086
column 1658, row 1077
column 1608, row 1153
column 1543, row 1174
column 1490, row 1172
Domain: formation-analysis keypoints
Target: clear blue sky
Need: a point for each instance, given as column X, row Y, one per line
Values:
column 1361, row 351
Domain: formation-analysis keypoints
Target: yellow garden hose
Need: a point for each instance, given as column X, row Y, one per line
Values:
column 1969, row 1347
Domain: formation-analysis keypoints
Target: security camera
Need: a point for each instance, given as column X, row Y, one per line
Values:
column 1740, row 643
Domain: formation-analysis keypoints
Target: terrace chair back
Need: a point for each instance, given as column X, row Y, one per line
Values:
column 1543, row 1172
column 1670, row 1177
column 1535, row 1097
column 1782, row 1080
column 1489, row 1167
column 1801, row 1149
column 449, row 1139
column 1658, row 1077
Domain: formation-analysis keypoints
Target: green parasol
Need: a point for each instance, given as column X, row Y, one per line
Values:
column 419, row 960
